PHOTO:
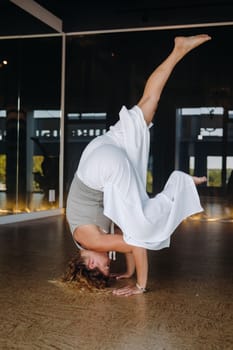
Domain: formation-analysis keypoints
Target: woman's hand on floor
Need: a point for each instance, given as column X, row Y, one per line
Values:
column 119, row 276
column 127, row 291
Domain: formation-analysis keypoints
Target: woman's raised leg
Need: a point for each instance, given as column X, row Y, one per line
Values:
column 157, row 80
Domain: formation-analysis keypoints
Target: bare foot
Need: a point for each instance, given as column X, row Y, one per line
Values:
column 184, row 44
column 199, row 180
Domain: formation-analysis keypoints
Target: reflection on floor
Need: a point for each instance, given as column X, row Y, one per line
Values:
column 215, row 209
column 189, row 305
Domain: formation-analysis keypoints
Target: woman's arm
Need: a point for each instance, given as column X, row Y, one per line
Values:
column 129, row 258
column 93, row 238
column 130, row 268
column 141, row 263
column 130, row 264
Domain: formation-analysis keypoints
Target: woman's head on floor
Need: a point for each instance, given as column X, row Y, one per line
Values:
column 88, row 269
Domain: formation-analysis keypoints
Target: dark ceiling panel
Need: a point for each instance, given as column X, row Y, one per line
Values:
column 103, row 15
column 91, row 15
column 15, row 21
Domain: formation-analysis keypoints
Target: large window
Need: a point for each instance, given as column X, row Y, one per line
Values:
column 201, row 146
column 30, row 84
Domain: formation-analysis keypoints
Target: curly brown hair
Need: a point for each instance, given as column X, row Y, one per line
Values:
column 78, row 272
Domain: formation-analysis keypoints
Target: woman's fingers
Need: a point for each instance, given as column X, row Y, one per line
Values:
column 127, row 291
column 119, row 276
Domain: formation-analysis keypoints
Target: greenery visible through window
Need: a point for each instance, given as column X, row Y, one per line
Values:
column 2, row 172
column 37, row 161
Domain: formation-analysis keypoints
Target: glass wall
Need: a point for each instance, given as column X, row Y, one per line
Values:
column 103, row 73
column 106, row 71
column 201, row 144
column 30, row 85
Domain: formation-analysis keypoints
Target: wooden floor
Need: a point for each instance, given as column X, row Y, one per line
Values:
column 189, row 305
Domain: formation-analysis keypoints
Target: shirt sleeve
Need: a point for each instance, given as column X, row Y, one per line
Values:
column 134, row 137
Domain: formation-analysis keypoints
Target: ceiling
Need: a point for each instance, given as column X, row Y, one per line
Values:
column 85, row 15
column 105, row 14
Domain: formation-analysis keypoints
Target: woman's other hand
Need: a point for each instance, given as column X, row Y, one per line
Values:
column 119, row 276
column 127, row 291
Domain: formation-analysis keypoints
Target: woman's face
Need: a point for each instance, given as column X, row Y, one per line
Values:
column 98, row 260
column 103, row 264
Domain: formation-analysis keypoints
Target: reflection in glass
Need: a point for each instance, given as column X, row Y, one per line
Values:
column 29, row 124
column 200, row 146
column 45, row 142
column 214, row 168
column 16, row 136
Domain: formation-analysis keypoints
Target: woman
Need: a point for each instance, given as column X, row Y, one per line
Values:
column 110, row 186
